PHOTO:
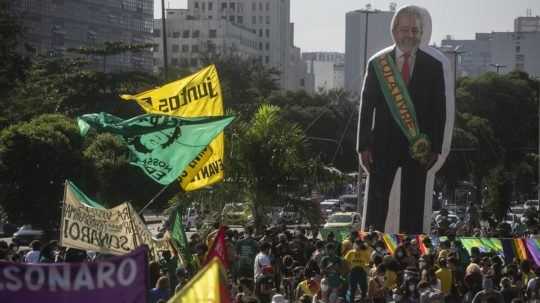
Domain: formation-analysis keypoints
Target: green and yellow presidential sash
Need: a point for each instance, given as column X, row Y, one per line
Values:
column 401, row 107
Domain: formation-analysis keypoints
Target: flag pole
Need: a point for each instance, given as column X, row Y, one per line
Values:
column 154, row 198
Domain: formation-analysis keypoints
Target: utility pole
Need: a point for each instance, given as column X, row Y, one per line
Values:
column 498, row 66
column 456, row 52
column 164, row 33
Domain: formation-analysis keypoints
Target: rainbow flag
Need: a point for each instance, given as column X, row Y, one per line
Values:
column 420, row 242
column 521, row 249
column 533, row 245
column 391, row 242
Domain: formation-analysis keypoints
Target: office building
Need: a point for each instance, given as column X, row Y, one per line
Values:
column 356, row 54
column 249, row 25
column 54, row 26
column 326, row 68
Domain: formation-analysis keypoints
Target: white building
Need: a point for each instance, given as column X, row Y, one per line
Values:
column 264, row 22
column 189, row 39
column 326, row 69
column 378, row 37
column 507, row 50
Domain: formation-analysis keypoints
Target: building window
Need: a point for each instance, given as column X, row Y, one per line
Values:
column 231, row 18
column 254, row 6
column 267, row 33
column 260, row 6
column 223, row 5
column 155, row 48
column 195, row 34
column 267, row 19
column 193, row 62
column 212, row 33
column 174, row 61
column 204, row 6
column 175, row 48
column 518, row 48
column 267, row 46
column 260, row 32
column 194, row 48
column 184, row 62
column 267, row 6
column 232, row 6
column 240, row 19
column 185, row 34
column 157, row 32
column 253, row 19
column 176, row 34
column 185, row 48
column 196, row 4
column 260, row 46
column 267, row 59
column 210, row 6
column 210, row 17
column 260, row 19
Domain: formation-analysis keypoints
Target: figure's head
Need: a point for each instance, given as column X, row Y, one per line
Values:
column 407, row 29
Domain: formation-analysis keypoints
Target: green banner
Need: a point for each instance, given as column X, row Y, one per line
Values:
column 162, row 146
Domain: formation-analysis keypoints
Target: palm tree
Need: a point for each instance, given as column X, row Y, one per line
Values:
column 273, row 153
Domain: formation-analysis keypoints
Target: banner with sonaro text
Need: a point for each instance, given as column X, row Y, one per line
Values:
column 95, row 228
column 119, row 279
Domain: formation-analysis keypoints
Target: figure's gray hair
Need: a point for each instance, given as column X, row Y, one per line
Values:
column 411, row 11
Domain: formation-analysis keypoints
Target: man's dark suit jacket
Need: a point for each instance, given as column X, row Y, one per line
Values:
column 427, row 91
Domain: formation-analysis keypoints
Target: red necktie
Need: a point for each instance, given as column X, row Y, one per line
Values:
column 405, row 72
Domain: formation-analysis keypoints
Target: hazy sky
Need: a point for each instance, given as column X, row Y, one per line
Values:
column 320, row 24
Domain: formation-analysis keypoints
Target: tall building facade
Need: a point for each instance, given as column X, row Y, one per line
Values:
column 378, row 37
column 264, row 24
column 54, row 26
column 502, row 52
column 326, row 69
column 527, row 24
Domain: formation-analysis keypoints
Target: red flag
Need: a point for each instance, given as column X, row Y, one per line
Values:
column 219, row 248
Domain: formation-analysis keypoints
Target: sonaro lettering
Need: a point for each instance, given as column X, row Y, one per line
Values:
column 187, row 95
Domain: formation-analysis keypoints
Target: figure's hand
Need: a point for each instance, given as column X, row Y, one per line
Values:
column 367, row 159
column 432, row 161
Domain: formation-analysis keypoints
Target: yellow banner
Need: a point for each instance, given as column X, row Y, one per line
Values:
column 193, row 96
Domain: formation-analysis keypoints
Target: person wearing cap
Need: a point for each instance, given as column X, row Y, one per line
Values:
column 358, row 261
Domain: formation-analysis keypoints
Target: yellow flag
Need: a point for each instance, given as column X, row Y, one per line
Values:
column 193, row 96
column 206, row 286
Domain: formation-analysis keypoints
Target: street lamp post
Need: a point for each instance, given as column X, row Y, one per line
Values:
column 456, row 52
column 164, row 31
column 498, row 66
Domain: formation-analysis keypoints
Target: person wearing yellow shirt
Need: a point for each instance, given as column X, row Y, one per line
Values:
column 347, row 244
column 444, row 274
column 358, row 261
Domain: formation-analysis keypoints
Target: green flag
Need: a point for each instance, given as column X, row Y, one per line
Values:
column 162, row 146
column 82, row 197
column 178, row 235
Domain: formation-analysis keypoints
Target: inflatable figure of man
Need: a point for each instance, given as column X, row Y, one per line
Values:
column 402, row 120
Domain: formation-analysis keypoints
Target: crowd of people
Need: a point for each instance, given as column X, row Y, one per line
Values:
column 281, row 265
